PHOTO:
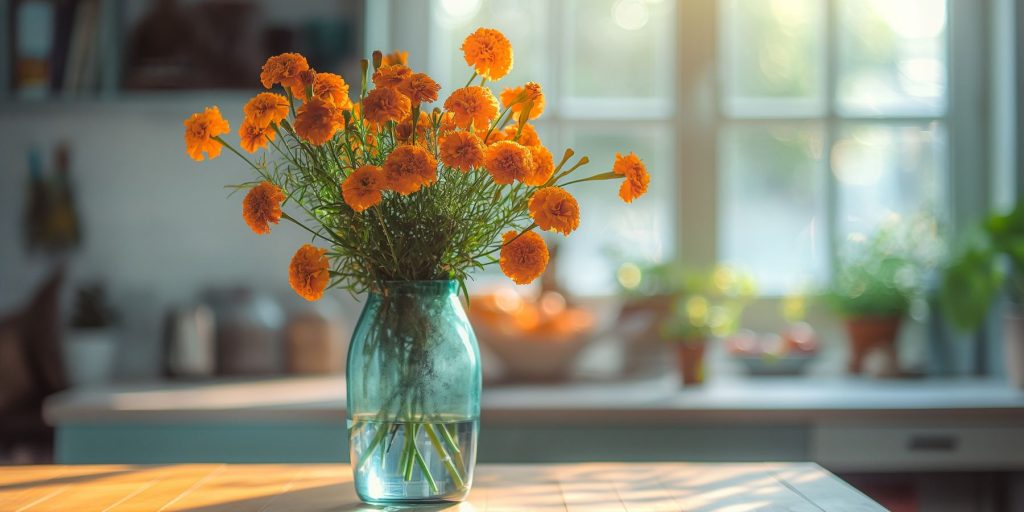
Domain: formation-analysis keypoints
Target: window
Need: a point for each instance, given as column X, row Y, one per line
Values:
column 833, row 117
column 621, row 101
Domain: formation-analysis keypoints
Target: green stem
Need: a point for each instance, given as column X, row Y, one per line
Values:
column 407, row 453
column 426, row 471
column 235, row 151
column 291, row 102
column 452, row 470
column 596, row 177
column 583, row 161
column 303, row 226
column 496, row 121
column 453, row 446
column 373, row 446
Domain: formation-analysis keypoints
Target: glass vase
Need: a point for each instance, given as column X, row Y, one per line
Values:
column 413, row 395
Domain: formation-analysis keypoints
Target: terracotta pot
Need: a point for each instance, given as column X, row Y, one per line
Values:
column 1013, row 346
column 690, row 356
column 638, row 325
column 870, row 333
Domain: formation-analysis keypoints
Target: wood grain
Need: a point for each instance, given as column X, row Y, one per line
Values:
column 497, row 488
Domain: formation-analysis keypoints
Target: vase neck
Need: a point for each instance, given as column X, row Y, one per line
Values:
column 418, row 288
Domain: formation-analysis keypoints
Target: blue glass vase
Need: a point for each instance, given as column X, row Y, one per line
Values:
column 413, row 395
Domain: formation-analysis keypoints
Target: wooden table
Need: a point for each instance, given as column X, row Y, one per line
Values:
column 328, row 487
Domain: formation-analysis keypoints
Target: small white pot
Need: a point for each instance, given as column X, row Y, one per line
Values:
column 89, row 356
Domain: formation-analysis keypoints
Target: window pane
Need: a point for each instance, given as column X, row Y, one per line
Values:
column 771, row 204
column 885, row 172
column 618, row 48
column 521, row 21
column 772, row 56
column 892, row 57
column 611, row 231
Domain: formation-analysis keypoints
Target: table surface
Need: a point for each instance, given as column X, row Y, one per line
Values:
column 658, row 400
column 323, row 487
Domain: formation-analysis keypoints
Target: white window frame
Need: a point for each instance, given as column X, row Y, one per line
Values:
column 703, row 116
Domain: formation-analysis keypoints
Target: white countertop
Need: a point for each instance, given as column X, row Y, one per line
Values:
column 654, row 401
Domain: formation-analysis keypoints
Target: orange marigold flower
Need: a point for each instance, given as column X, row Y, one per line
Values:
column 391, row 76
column 543, row 166
column 462, row 151
column 317, row 121
column 509, row 133
column 309, row 272
column 284, row 69
column 261, row 207
column 408, row 168
column 552, row 208
column 507, row 161
column 253, row 136
column 404, row 129
column 493, row 136
column 488, row 52
column 473, row 104
column 200, row 130
column 383, row 105
column 523, row 258
column 396, row 57
column 362, row 188
column 266, row 108
column 525, row 94
column 304, row 84
column 527, row 137
column 635, row 184
column 447, row 123
column 420, row 88
column 332, row 89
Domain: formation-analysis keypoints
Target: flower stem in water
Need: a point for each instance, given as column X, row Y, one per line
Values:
column 452, row 470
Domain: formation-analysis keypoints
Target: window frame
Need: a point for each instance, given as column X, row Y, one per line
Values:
column 702, row 73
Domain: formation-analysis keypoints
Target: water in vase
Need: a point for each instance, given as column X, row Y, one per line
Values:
column 412, row 461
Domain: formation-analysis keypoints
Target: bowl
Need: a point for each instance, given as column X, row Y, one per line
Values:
column 534, row 340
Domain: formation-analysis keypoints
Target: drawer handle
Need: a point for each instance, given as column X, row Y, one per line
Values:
column 932, row 443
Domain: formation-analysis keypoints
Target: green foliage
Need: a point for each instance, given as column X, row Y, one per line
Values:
column 705, row 303
column 444, row 231
column 973, row 280
column 881, row 275
column 871, row 287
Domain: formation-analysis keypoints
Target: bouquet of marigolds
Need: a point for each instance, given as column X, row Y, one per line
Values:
column 395, row 186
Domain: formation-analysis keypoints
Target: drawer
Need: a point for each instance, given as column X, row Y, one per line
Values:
column 913, row 448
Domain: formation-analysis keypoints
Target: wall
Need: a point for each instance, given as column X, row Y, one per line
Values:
column 158, row 226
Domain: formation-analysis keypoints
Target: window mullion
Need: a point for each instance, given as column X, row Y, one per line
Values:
column 831, row 129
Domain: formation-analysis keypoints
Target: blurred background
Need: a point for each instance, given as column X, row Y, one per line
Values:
column 825, row 267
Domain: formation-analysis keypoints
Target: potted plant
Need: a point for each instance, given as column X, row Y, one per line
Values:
column 993, row 262
column 646, row 290
column 876, row 281
column 705, row 305
column 91, row 345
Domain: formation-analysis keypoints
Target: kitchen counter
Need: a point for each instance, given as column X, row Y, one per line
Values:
column 846, row 424
column 658, row 400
